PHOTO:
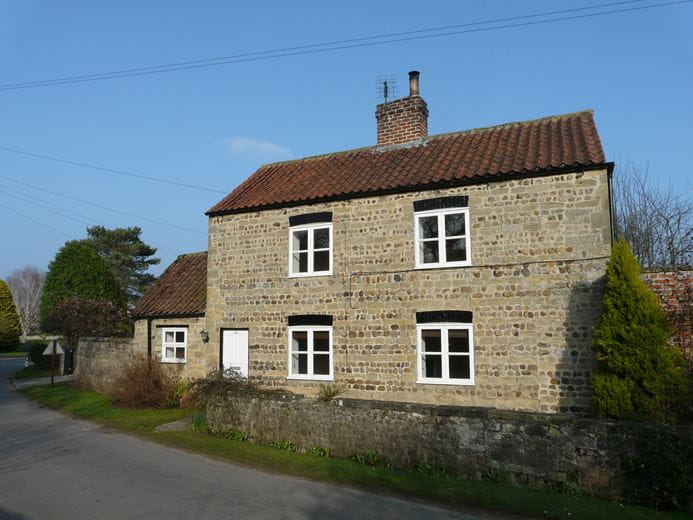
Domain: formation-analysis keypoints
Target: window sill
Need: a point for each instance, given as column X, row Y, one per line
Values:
column 175, row 361
column 309, row 275
column 449, row 382
column 311, row 378
column 442, row 266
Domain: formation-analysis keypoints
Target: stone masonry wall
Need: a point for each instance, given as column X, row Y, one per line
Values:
column 99, row 360
column 538, row 247
column 199, row 359
column 534, row 449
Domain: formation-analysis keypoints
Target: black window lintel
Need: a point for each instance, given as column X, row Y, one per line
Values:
column 456, row 201
column 444, row 316
column 310, row 218
column 310, row 319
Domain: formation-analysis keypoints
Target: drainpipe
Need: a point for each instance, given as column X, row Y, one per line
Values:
column 149, row 339
column 609, row 179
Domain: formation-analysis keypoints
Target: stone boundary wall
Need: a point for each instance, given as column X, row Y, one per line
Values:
column 99, row 360
column 530, row 448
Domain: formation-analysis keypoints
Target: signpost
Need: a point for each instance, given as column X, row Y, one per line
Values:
column 53, row 349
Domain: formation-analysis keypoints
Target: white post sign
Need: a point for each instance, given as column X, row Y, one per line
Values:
column 53, row 349
column 49, row 348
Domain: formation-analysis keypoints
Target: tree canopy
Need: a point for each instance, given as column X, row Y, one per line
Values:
column 78, row 317
column 10, row 328
column 26, row 285
column 127, row 256
column 77, row 270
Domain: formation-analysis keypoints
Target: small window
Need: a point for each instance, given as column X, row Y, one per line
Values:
column 174, row 346
column 445, row 353
column 442, row 238
column 310, row 353
column 310, row 250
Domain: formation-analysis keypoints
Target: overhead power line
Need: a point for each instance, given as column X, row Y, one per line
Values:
column 365, row 41
column 109, row 170
column 63, row 212
column 36, row 221
column 46, row 208
column 51, row 203
column 140, row 217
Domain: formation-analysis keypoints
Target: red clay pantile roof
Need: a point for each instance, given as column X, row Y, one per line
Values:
column 180, row 291
column 550, row 143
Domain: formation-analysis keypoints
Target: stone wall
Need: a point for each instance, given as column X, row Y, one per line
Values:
column 99, row 360
column 539, row 249
column 534, row 449
column 200, row 359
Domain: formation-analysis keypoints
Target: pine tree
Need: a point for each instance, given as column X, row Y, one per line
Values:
column 639, row 374
column 128, row 257
column 10, row 329
column 77, row 270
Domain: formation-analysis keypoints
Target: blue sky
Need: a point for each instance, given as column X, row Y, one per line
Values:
column 213, row 126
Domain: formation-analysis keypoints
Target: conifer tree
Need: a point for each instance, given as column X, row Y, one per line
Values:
column 10, row 329
column 639, row 374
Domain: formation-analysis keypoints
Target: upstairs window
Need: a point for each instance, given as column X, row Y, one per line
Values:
column 442, row 232
column 310, row 245
column 174, row 345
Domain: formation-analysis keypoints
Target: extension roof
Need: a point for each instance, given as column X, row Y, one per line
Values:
column 181, row 290
column 559, row 143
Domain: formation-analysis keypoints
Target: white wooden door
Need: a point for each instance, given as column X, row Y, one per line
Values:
column 234, row 351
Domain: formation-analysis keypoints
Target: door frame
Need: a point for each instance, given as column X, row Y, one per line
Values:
column 221, row 345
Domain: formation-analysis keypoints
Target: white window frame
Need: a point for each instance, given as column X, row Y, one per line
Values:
column 311, row 249
column 440, row 213
column 310, row 330
column 173, row 345
column 446, row 379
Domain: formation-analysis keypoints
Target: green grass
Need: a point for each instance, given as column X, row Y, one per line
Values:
column 32, row 372
column 438, row 488
column 13, row 354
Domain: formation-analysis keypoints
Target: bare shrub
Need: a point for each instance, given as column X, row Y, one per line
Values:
column 217, row 384
column 144, row 383
column 327, row 393
column 221, row 383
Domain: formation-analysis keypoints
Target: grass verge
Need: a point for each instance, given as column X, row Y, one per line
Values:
column 13, row 354
column 32, row 372
column 442, row 489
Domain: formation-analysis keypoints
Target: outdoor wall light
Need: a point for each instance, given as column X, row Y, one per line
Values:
column 204, row 335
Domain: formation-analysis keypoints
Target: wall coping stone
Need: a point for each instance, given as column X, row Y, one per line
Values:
column 469, row 412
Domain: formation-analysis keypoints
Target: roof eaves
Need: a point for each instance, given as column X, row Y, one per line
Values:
column 478, row 179
column 160, row 315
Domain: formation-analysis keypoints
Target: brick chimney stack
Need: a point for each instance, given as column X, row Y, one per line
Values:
column 403, row 120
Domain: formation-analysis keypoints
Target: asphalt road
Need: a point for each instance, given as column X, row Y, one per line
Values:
column 55, row 467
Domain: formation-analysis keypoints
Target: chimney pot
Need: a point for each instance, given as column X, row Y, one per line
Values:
column 414, row 83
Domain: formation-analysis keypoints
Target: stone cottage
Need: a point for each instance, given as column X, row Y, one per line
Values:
column 170, row 317
column 460, row 269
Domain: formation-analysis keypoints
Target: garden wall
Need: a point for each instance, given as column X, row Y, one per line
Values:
column 675, row 291
column 99, row 360
column 529, row 448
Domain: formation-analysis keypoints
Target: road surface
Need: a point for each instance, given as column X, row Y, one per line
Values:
column 56, row 467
